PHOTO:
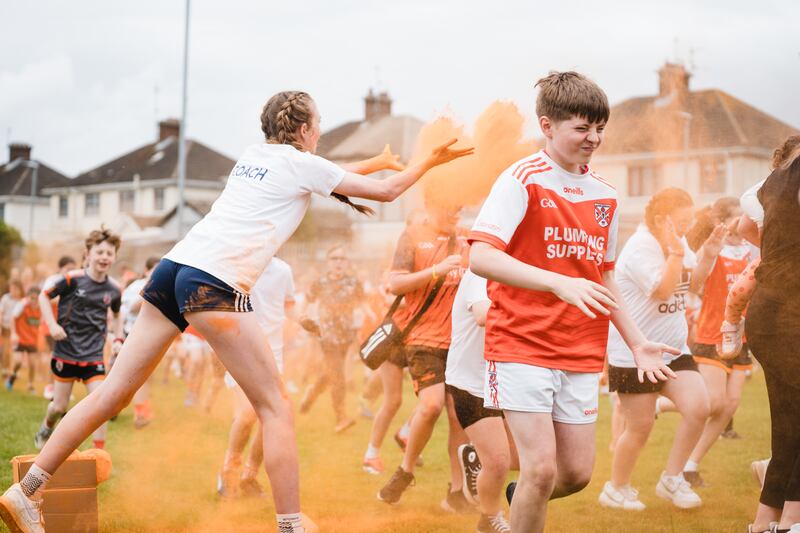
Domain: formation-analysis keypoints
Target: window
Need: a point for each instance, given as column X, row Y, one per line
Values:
column 91, row 204
column 126, row 201
column 159, row 198
column 713, row 174
column 643, row 180
column 63, row 206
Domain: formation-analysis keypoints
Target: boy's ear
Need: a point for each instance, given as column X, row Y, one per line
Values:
column 546, row 126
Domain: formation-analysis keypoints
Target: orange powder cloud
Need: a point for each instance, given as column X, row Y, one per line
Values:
column 499, row 141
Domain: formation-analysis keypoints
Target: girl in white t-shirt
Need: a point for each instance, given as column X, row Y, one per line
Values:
column 654, row 271
column 205, row 281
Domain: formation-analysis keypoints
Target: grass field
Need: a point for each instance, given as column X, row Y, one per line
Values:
column 164, row 475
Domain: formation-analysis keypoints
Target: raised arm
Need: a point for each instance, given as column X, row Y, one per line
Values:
column 386, row 160
column 706, row 258
column 389, row 189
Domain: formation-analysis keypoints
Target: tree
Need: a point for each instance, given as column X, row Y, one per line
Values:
column 10, row 243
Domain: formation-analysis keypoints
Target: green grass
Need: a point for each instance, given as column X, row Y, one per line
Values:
column 164, row 475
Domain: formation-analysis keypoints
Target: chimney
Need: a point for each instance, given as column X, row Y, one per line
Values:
column 377, row 106
column 19, row 151
column 673, row 79
column 168, row 128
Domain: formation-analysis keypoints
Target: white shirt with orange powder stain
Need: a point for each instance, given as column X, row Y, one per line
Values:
column 264, row 200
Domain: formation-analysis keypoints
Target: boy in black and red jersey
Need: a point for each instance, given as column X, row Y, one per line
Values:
column 545, row 239
column 85, row 296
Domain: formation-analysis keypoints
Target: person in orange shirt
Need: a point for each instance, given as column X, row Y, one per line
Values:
column 424, row 254
column 724, row 377
column 25, row 337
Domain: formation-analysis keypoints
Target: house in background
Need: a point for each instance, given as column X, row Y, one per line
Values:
column 136, row 194
column 706, row 142
column 23, row 204
column 375, row 236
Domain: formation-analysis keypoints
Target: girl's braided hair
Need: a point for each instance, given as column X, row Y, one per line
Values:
column 281, row 118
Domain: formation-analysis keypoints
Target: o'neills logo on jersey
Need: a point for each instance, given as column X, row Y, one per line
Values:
column 574, row 190
column 602, row 214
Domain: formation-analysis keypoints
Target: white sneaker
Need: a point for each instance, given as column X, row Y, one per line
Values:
column 795, row 528
column 731, row 339
column 20, row 513
column 678, row 491
column 626, row 498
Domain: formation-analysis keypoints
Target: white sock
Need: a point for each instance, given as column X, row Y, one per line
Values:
column 290, row 523
column 691, row 466
column 372, row 452
column 34, row 481
column 405, row 429
column 658, row 406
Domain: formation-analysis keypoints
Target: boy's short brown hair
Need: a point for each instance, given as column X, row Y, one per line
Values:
column 563, row 95
column 103, row 235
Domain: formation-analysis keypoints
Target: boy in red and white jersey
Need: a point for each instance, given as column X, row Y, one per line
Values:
column 545, row 239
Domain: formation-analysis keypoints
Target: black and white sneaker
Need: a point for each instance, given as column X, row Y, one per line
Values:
column 470, row 468
column 493, row 524
column 398, row 483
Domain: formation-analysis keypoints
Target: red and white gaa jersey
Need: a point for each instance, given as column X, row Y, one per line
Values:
column 544, row 216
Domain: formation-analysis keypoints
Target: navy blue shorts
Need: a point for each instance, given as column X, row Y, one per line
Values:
column 176, row 289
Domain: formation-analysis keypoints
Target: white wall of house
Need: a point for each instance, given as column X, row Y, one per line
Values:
column 78, row 221
column 17, row 213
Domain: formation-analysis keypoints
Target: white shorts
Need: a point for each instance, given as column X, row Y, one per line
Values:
column 570, row 397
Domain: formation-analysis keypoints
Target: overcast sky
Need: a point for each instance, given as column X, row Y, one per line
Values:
column 78, row 79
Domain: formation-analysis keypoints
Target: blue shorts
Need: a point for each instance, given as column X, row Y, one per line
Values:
column 176, row 289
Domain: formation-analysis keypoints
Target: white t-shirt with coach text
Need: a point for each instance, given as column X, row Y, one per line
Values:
column 638, row 272
column 264, row 200
column 466, row 366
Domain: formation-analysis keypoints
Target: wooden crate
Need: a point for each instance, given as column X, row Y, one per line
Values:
column 70, row 499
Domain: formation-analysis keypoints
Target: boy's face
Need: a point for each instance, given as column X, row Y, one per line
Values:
column 337, row 262
column 66, row 268
column 574, row 140
column 101, row 257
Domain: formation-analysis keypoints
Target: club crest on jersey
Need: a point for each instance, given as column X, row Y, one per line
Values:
column 602, row 214
column 106, row 298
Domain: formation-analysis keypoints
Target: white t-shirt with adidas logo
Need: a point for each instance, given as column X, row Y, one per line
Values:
column 638, row 272
column 264, row 200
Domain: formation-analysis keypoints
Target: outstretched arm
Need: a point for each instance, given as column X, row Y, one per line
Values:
column 386, row 160
column 389, row 189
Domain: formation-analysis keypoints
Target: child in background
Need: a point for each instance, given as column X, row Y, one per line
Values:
column 25, row 337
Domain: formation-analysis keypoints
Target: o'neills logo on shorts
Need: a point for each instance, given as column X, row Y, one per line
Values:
column 590, row 412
